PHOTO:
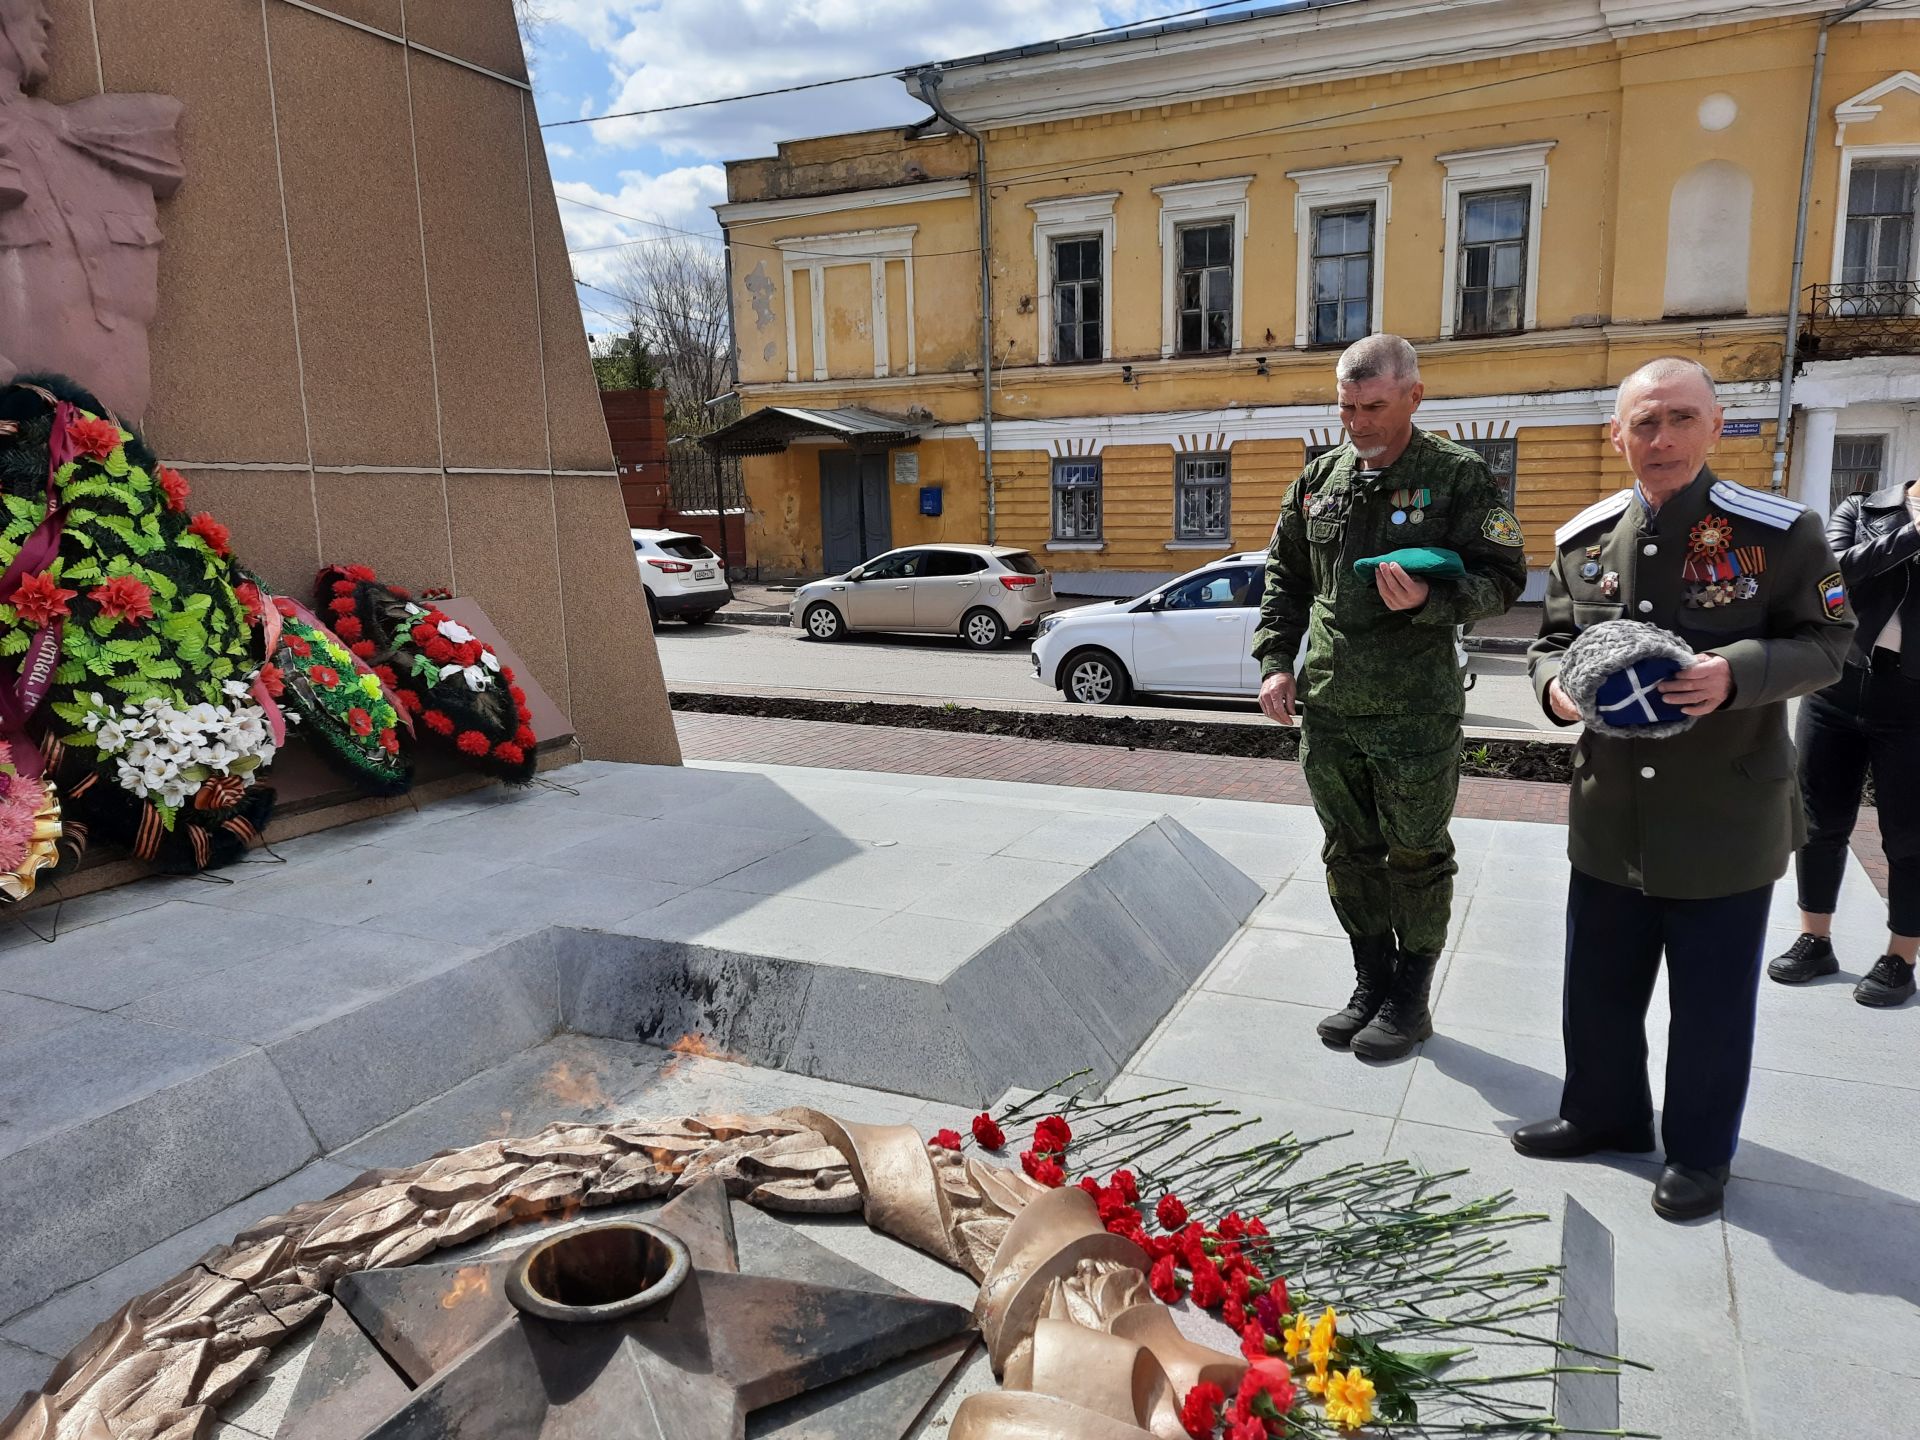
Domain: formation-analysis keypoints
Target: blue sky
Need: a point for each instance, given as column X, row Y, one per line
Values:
column 591, row 57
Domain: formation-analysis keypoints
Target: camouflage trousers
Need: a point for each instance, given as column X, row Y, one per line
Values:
column 1383, row 787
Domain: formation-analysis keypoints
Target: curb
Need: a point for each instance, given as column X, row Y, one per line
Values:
column 1476, row 645
column 752, row 617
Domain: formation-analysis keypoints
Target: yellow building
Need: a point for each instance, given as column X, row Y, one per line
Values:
column 1186, row 224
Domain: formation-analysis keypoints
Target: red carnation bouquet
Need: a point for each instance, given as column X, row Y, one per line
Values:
column 449, row 681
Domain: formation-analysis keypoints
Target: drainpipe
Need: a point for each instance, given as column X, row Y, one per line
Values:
column 930, row 92
column 1800, row 242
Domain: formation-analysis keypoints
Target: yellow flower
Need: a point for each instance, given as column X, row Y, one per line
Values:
column 1294, row 1337
column 1322, row 1347
column 1349, row 1399
column 1316, row 1384
column 371, row 684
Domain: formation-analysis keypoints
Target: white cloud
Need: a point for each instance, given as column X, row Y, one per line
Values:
column 678, row 198
column 667, row 52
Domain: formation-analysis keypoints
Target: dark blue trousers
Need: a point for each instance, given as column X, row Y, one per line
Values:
column 1615, row 938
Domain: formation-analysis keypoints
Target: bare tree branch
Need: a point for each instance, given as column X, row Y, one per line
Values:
column 675, row 289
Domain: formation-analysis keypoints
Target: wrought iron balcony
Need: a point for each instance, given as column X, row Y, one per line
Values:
column 1872, row 317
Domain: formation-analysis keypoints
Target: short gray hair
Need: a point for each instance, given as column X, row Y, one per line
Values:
column 1668, row 367
column 1378, row 357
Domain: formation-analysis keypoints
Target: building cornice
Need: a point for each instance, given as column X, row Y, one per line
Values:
column 1311, row 46
column 752, row 212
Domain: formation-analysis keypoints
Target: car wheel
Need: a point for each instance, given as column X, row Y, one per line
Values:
column 982, row 629
column 823, row 622
column 699, row 619
column 653, row 612
column 1094, row 677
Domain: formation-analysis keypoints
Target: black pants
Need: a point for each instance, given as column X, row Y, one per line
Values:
column 1868, row 720
column 1615, row 937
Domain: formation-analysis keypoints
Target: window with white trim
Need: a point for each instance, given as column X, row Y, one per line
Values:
column 1877, row 250
column 1503, row 459
column 1339, row 221
column 1203, row 239
column 1073, row 272
column 1491, row 274
column 1202, row 497
column 1076, row 500
column 1859, row 463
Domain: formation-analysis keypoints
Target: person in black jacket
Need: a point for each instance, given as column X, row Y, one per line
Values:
column 1867, row 721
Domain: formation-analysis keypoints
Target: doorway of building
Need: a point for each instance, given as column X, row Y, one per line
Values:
column 856, row 513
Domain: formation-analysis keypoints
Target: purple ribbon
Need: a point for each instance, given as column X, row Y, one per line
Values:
column 24, row 689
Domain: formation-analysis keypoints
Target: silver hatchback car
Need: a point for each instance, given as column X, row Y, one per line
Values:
column 982, row 593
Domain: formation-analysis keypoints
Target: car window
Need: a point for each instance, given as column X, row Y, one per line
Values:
column 1021, row 563
column 687, row 548
column 1216, row 590
column 952, row 562
column 902, row 566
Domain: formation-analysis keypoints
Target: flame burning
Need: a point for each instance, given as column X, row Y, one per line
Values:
column 582, row 1089
column 695, row 1046
column 467, row 1284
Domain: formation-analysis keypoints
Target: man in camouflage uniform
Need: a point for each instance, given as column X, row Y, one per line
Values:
column 1380, row 695
column 1676, row 843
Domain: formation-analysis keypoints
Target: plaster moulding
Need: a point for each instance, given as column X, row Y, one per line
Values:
column 813, row 255
column 1195, row 202
column 1330, row 188
column 1471, row 171
column 750, row 212
column 1863, row 108
column 1315, row 43
column 1072, row 217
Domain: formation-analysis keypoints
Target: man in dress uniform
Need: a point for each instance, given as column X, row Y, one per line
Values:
column 1676, row 842
column 1380, row 693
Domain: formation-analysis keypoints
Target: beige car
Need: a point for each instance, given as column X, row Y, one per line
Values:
column 982, row 593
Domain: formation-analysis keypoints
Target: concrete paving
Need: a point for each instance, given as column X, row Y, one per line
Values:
column 1805, row 1294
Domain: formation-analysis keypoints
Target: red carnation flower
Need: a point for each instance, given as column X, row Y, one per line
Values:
column 472, row 742
column 1171, row 1214
column 1128, row 1187
column 1163, row 1280
column 1201, row 1411
column 124, row 598
column 1248, row 1428
column 272, row 679
column 95, row 439
column 362, row 648
column 343, row 587
column 1045, row 1172
column 519, row 695
column 341, row 605
column 422, row 633
column 385, row 675
column 1208, row 1288
column 412, row 702
column 176, row 488
column 1257, row 1227
column 439, row 651
column 989, row 1135
column 1266, row 1391
column 1052, row 1135
column 325, row 676
column 389, row 742
column 347, row 627
column 284, row 606
column 945, row 1140
column 438, row 722
column 359, row 721
column 525, row 715
column 525, row 738
column 511, row 753
column 248, row 594
column 1255, row 1342
column 299, row 646
column 39, row 601
column 211, row 531
column 359, row 572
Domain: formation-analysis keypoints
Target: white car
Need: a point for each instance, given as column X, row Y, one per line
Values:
column 684, row 579
column 1192, row 636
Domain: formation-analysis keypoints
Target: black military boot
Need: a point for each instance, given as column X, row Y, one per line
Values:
column 1403, row 1019
column 1808, row 958
column 1373, row 975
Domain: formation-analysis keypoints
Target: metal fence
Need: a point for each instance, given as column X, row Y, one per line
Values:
column 1870, row 317
column 702, row 483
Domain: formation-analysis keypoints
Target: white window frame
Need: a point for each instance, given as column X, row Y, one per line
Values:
column 1339, row 187
column 1849, row 156
column 1507, row 168
column 1072, row 217
column 815, row 255
column 1198, row 202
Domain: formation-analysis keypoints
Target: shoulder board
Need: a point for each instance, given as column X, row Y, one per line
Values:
column 1774, row 510
column 1591, row 516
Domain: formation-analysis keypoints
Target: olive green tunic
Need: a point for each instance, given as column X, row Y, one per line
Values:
column 1714, row 811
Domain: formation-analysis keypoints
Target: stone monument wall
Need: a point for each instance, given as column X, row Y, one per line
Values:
column 367, row 347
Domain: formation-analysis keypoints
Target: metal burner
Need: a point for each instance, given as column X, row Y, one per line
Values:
column 604, row 1272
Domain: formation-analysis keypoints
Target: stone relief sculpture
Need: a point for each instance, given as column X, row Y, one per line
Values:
column 79, row 245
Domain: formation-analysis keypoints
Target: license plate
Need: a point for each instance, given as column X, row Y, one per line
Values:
column 706, row 574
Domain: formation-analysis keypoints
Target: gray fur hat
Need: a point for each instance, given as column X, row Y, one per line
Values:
column 1599, row 676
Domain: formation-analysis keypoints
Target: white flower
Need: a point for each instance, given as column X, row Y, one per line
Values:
column 107, row 735
column 237, row 689
column 476, row 678
column 413, row 609
column 138, row 753
column 490, row 660
column 132, row 779
column 176, row 791
column 455, row 631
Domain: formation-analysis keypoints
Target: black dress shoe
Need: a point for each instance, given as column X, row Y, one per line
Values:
column 1808, row 958
column 1889, row 983
column 1558, row 1139
column 1685, row 1193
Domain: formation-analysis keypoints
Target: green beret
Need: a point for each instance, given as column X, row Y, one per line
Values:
column 1422, row 560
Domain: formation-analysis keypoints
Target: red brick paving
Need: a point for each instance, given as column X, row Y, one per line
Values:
column 832, row 746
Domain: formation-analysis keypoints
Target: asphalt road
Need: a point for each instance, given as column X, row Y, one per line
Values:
column 875, row 666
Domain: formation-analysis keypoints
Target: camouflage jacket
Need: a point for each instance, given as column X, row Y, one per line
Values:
column 1734, row 572
column 1362, row 658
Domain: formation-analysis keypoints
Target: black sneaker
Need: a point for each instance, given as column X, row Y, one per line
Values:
column 1889, row 983
column 1808, row 958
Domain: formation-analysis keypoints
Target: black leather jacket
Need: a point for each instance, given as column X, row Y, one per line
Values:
column 1879, row 550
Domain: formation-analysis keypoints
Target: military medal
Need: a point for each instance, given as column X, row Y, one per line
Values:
column 1590, row 570
column 1399, row 517
column 1610, row 584
column 1410, row 504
